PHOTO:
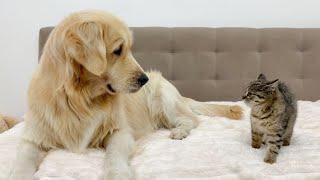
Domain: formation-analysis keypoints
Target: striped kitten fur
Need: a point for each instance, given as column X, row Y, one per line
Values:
column 273, row 115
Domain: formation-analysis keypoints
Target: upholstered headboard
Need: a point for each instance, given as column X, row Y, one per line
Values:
column 217, row 63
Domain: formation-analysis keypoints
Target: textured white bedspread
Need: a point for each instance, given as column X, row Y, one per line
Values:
column 217, row 149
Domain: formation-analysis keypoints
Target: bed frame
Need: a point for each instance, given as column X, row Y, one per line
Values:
column 214, row 64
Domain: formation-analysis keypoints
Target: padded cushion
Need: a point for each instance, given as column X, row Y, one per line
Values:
column 211, row 64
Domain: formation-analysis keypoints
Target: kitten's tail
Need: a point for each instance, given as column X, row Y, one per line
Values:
column 201, row 108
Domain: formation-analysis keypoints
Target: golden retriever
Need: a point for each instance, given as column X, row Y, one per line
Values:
column 87, row 93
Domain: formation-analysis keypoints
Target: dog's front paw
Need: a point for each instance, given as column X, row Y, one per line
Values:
column 119, row 173
column 177, row 133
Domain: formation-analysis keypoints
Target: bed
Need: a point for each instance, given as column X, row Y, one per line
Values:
column 214, row 65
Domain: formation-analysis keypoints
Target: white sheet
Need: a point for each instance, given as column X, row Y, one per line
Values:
column 218, row 149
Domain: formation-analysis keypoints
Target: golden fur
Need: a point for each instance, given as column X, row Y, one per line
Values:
column 85, row 94
column 7, row 122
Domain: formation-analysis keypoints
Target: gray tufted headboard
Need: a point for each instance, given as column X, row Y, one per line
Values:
column 217, row 63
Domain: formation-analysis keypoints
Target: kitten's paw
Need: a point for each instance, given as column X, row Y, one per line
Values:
column 177, row 133
column 256, row 145
column 123, row 173
column 286, row 143
column 270, row 159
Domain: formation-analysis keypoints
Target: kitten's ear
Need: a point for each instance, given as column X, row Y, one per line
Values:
column 262, row 77
column 273, row 83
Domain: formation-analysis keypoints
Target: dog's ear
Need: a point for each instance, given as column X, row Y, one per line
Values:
column 84, row 43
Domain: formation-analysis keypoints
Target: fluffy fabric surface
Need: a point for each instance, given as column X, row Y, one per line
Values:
column 217, row 149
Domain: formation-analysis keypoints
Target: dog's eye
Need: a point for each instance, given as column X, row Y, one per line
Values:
column 118, row 51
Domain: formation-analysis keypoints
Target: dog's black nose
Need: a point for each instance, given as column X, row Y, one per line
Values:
column 143, row 79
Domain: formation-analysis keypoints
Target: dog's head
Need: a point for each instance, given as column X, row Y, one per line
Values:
column 97, row 48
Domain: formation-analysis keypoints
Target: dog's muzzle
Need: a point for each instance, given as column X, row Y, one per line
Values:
column 142, row 80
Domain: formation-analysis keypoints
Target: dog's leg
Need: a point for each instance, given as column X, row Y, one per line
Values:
column 28, row 157
column 118, row 152
column 183, row 122
column 178, row 114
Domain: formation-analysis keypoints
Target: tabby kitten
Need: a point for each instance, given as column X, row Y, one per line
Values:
column 273, row 115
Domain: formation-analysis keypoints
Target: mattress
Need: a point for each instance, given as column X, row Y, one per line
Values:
column 218, row 148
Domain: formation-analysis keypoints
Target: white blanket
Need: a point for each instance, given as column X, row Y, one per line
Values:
column 217, row 149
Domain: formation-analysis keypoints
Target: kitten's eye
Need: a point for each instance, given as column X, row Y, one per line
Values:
column 259, row 96
column 118, row 51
